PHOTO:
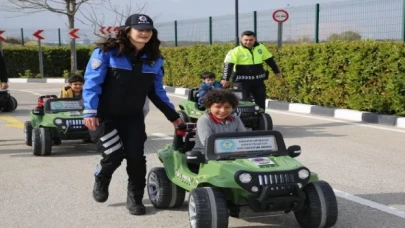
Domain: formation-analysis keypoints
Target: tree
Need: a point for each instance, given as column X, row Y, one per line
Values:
column 345, row 36
column 63, row 7
column 96, row 21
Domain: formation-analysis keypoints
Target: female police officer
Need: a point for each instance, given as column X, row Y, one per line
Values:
column 121, row 73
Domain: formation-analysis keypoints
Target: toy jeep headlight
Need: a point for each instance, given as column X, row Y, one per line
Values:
column 303, row 174
column 245, row 178
column 58, row 121
column 257, row 108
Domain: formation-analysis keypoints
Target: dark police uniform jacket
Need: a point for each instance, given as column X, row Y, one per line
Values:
column 118, row 86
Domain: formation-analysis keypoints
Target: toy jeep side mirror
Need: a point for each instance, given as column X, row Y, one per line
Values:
column 294, row 151
column 195, row 157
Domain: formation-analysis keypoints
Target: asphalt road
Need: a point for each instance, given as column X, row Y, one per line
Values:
column 364, row 163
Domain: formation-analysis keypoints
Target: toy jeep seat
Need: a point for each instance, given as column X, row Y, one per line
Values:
column 183, row 137
column 193, row 95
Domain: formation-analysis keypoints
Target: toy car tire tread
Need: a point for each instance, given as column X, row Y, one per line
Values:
column 28, row 133
column 169, row 195
column 12, row 105
column 207, row 204
column 41, row 141
column 265, row 122
column 322, row 203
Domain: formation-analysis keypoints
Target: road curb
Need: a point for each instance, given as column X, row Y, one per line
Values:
column 345, row 114
column 37, row 80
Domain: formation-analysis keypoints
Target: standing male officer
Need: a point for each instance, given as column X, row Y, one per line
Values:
column 245, row 64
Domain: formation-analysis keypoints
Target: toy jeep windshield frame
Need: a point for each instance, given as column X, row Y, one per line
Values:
column 247, row 144
column 56, row 105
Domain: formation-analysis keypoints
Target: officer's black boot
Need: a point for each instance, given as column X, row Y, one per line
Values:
column 134, row 201
column 100, row 190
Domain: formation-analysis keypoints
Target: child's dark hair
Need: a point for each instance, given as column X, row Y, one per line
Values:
column 220, row 96
column 207, row 74
column 76, row 78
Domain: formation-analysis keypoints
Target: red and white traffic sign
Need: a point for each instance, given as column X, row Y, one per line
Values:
column 280, row 16
column 2, row 38
column 108, row 29
column 73, row 34
column 102, row 30
column 37, row 34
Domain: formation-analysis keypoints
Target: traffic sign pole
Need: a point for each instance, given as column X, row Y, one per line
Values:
column 1, row 41
column 41, row 63
column 279, row 35
column 38, row 35
column 74, row 36
column 280, row 16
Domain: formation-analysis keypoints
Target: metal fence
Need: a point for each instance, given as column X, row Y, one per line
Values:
column 359, row 19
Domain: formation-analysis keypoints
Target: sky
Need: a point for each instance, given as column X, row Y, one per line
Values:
column 192, row 16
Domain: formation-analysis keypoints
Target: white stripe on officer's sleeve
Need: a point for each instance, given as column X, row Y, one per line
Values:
column 112, row 149
column 90, row 111
column 109, row 135
column 111, row 141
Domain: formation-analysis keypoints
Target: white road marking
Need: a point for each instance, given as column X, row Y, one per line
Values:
column 369, row 203
column 335, row 120
column 161, row 136
column 26, row 91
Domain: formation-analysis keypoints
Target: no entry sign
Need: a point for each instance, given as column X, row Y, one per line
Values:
column 280, row 16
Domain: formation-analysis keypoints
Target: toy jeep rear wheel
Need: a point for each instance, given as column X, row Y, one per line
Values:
column 320, row 209
column 11, row 105
column 265, row 122
column 28, row 133
column 207, row 206
column 41, row 141
column 162, row 192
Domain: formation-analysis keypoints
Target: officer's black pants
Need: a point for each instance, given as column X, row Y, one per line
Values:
column 255, row 88
column 119, row 138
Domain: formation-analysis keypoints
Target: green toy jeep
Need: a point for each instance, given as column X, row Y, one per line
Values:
column 52, row 121
column 253, row 169
column 251, row 115
column 7, row 102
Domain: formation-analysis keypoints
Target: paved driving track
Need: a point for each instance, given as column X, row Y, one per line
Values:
column 365, row 164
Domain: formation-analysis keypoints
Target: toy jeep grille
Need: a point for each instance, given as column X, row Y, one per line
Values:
column 245, row 111
column 74, row 123
column 278, row 178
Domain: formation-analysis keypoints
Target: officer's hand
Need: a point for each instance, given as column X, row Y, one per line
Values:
column 178, row 122
column 4, row 85
column 278, row 75
column 91, row 123
column 225, row 83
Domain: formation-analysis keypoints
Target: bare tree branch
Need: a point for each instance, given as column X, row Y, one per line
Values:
column 96, row 21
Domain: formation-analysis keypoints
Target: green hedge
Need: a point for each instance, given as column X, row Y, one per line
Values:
column 361, row 75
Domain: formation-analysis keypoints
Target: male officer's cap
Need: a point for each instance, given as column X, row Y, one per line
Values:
column 139, row 22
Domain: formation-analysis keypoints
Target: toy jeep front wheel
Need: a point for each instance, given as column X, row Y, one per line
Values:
column 41, row 141
column 162, row 192
column 28, row 133
column 320, row 209
column 207, row 208
column 265, row 122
